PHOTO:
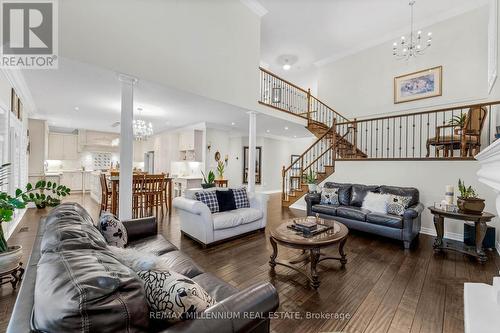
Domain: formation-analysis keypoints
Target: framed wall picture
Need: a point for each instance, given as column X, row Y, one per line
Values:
column 14, row 102
column 418, row 85
column 258, row 165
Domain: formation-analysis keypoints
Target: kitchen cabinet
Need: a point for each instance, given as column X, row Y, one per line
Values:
column 181, row 184
column 72, row 179
column 191, row 145
column 186, row 140
column 63, row 146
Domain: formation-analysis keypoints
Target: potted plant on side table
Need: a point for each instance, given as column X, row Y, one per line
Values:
column 208, row 181
column 468, row 202
column 311, row 181
column 220, row 169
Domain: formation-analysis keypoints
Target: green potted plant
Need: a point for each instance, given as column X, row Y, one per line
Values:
column 311, row 181
column 208, row 181
column 220, row 169
column 459, row 122
column 468, row 202
column 43, row 193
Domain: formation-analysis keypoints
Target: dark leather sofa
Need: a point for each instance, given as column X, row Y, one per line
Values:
column 350, row 213
column 73, row 283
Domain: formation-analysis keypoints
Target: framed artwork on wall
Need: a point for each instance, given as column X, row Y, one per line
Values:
column 14, row 102
column 258, row 165
column 418, row 85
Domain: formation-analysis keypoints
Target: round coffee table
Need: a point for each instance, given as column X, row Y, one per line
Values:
column 311, row 247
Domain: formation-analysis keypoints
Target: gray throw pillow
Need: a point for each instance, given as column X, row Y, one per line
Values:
column 113, row 230
column 330, row 196
column 397, row 204
column 174, row 297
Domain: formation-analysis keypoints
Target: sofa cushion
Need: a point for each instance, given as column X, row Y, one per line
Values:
column 388, row 220
column 325, row 209
column 66, row 234
column 225, row 200
column 397, row 204
column 330, row 196
column 113, row 230
column 69, row 210
column 376, row 202
column 87, row 290
column 180, row 263
column 344, row 192
column 217, row 288
column 402, row 191
column 173, row 295
column 209, row 198
column 156, row 245
column 249, row 215
column 359, row 192
column 226, row 220
column 353, row 213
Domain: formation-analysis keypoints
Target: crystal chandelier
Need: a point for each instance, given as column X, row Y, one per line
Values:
column 142, row 130
column 414, row 44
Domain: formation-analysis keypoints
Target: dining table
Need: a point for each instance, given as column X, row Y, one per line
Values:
column 115, row 182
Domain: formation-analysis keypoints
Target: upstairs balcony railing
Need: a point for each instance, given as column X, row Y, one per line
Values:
column 450, row 133
column 285, row 96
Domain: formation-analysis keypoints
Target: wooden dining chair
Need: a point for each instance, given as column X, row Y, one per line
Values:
column 138, row 200
column 153, row 193
column 105, row 194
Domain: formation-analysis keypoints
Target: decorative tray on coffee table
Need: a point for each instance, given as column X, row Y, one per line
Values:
column 308, row 227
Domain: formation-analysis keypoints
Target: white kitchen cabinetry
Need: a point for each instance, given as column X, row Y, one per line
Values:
column 186, row 140
column 63, row 146
column 73, row 180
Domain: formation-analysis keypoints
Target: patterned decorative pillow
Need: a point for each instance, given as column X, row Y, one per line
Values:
column 330, row 196
column 209, row 198
column 398, row 204
column 241, row 198
column 173, row 296
column 113, row 230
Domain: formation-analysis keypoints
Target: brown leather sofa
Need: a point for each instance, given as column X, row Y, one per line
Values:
column 73, row 283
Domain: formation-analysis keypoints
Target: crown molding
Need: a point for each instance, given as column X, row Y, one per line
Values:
column 255, row 7
column 394, row 35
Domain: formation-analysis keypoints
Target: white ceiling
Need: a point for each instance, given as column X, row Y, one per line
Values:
column 321, row 31
column 96, row 93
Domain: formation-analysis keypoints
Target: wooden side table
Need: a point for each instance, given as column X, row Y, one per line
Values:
column 479, row 220
column 221, row 182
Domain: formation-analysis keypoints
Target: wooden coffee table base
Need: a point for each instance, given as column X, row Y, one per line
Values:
column 311, row 255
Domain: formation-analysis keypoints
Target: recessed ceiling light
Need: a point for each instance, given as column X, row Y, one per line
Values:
column 233, row 123
column 77, row 108
column 295, row 136
column 268, row 131
column 287, row 67
column 286, row 128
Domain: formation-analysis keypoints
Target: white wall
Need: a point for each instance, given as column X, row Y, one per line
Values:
column 429, row 177
column 361, row 85
column 210, row 48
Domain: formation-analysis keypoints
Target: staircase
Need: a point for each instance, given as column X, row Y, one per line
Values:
column 333, row 141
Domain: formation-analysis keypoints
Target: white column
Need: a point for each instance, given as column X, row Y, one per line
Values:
column 252, row 136
column 126, row 146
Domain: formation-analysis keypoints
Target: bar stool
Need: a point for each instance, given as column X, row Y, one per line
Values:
column 105, row 194
column 138, row 196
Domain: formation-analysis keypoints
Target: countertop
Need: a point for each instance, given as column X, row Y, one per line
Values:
column 189, row 177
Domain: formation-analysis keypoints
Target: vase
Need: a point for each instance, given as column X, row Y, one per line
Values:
column 207, row 185
column 470, row 205
column 312, row 187
column 41, row 205
column 10, row 260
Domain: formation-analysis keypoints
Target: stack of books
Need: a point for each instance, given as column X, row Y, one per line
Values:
column 305, row 226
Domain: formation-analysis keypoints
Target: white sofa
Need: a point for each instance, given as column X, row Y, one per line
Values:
column 199, row 223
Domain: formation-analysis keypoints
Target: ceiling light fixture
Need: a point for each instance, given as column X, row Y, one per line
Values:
column 142, row 130
column 77, row 108
column 287, row 66
column 286, row 128
column 414, row 44
column 233, row 123
column 268, row 131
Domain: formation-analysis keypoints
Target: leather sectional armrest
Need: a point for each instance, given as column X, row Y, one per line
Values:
column 313, row 198
column 240, row 312
column 414, row 211
column 140, row 228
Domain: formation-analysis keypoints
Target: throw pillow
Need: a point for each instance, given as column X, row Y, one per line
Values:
column 113, row 230
column 398, row 204
column 225, row 200
column 173, row 296
column 376, row 202
column 209, row 198
column 330, row 196
column 241, row 198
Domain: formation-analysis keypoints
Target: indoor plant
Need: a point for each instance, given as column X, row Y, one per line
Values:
column 208, row 181
column 468, row 202
column 220, row 169
column 459, row 122
column 311, row 181
column 38, row 193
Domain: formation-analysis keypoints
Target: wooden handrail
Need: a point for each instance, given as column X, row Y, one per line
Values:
column 420, row 113
column 310, row 147
column 281, row 79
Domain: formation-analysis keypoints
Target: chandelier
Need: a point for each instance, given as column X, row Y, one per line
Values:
column 142, row 130
column 414, row 44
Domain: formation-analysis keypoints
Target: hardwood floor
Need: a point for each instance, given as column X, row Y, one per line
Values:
column 382, row 289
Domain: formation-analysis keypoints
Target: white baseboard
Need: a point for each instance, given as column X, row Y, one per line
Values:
column 449, row 235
